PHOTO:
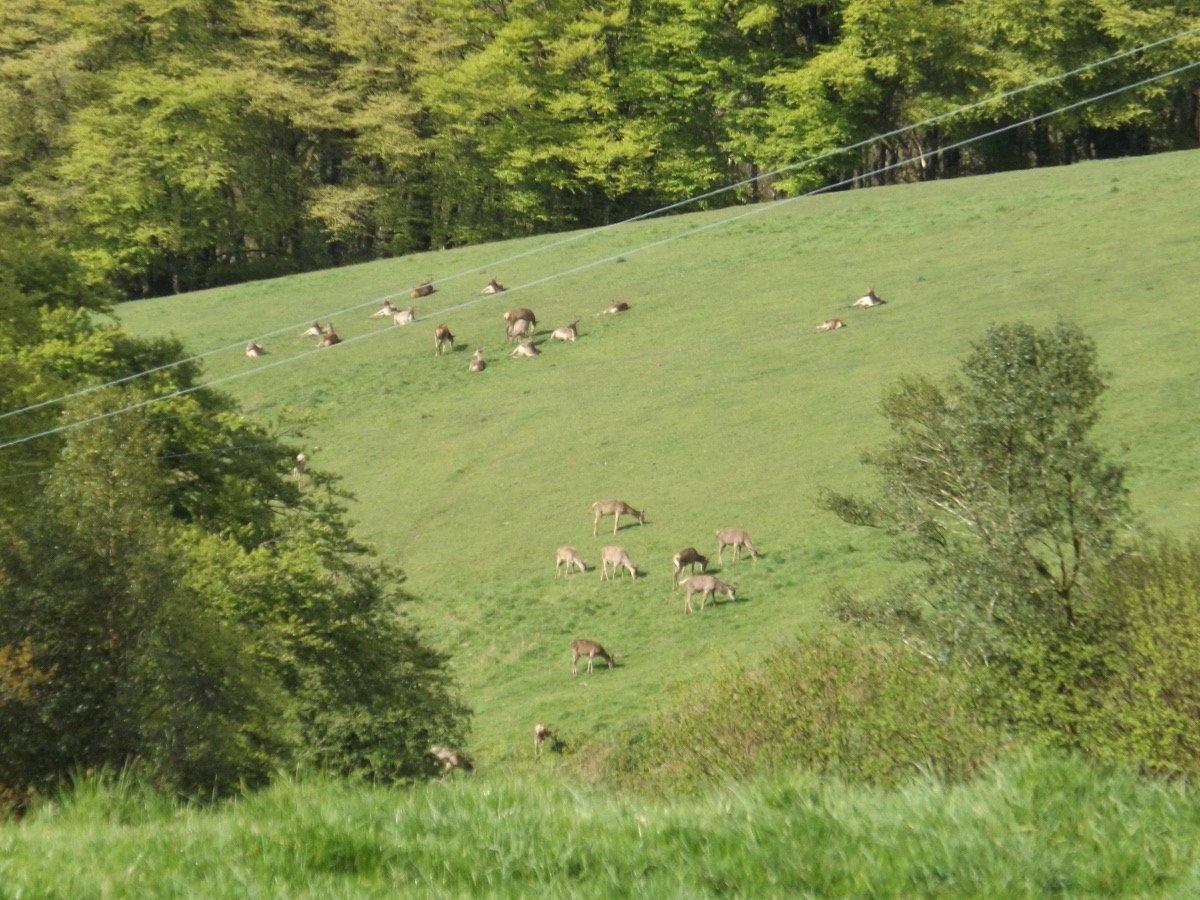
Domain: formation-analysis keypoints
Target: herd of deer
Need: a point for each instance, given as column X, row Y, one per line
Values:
column 869, row 300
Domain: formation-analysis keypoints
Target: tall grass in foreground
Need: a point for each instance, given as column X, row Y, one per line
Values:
column 1025, row 827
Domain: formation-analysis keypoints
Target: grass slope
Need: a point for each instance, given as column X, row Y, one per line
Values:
column 711, row 403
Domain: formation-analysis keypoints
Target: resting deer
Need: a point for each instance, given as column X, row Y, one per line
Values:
column 868, row 300
column 737, row 539
column 569, row 557
column 706, row 586
column 301, row 465
column 424, row 289
column 566, row 332
column 405, row 316
column 618, row 559
column 617, row 306
column 314, row 330
column 451, row 759
column 477, row 363
column 492, row 287
column 616, row 509
column 590, row 649
column 831, row 324
column 442, row 338
column 254, row 350
column 518, row 329
column 527, row 349
column 329, row 337
column 388, row 309
column 543, row 735
column 688, row 556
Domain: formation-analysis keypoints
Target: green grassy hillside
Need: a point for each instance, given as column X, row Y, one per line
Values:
column 710, row 403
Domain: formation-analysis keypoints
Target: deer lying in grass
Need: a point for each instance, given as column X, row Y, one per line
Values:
column 314, row 330
column 616, row 509
column 301, row 465
column 388, row 309
column 868, row 300
column 405, row 316
column 492, row 287
column 618, row 559
column 617, row 306
column 590, row 649
column 706, row 586
column 543, row 735
column 518, row 329
column 477, row 363
column 737, row 539
column 569, row 557
column 329, row 337
column 526, row 349
column 688, row 556
column 831, row 324
column 424, row 289
column 566, row 332
column 254, row 350
column 442, row 339
column 451, row 759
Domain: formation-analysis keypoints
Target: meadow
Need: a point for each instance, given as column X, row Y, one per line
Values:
column 710, row 403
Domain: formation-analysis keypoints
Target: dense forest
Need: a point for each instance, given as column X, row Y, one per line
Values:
column 172, row 144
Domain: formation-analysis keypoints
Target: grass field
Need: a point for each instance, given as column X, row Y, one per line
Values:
column 711, row 403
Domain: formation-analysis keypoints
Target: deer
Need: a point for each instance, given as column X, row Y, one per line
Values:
column 527, row 349
column 301, row 465
column 566, row 332
column 442, row 338
column 868, row 300
column 543, row 735
column 492, row 287
column 451, row 759
column 477, row 363
column 405, row 316
column 590, row 649
column 688, row 556
column 512, row 316
column 616, row 509
column 314, row 330
column 424, row 289
column 569, row 557
column 617, row 306
column 831, row 324
column 388, row 309
column 737, row 539
column 254, row 350
column 618, row 559
column 518, row 329
column 329, row 337
column 706, row 586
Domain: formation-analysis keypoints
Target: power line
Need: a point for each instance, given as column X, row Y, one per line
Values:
column 924, row 123
column 758, row 210
column 161, row 456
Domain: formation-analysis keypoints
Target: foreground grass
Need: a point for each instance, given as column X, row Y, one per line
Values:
column 711, row 403
column 1025, row 828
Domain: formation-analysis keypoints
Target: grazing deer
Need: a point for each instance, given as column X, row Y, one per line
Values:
column 566, row 332
column 518, row 329
column 405, row 316
column 451, row 759
column 442, row 338
column 543, row 735
column 314, row 330
column 590, row 649
column 617, row 306
column 688, row 556
column 569, row 557
column 831, row 324
column 424, row 289
column 706, row 586
column 525, row 348
column 329, row 337
column 618, row 559
column 254, row 350
column 868, row 300
column 477, row 363
column 616, row 509
column 520, row 312
column 737, row 539
column 301, row 465
column 388, row 309
column 492, row 287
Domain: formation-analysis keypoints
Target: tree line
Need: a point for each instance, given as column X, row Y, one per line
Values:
column 170, row 146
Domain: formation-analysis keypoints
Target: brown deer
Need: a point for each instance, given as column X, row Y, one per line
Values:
column 616, row 509
column 329, row 337
column 831, row 324
column 388, row 309
column 737, row 539
column 518, row 329
column 477, row 363
column 301, row 465
column 566, row 332
column 868, row 300
column 618, row 559
column 450, row 759
column 442, row 339
column 254, row 350
column 314, row 330
column 688, row 556
column 405, row 316
column 590, row 649
column 513, row 316
column 617, row 306
column 543, row 735
column 424, row 289
column 569, row 557
column 526, row 349
column 492, row 287
column 706, row 586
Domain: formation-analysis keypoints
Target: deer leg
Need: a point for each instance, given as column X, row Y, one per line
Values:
column 574, row 663
column 591, row 659
column 595, row 524
column 616, row 522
